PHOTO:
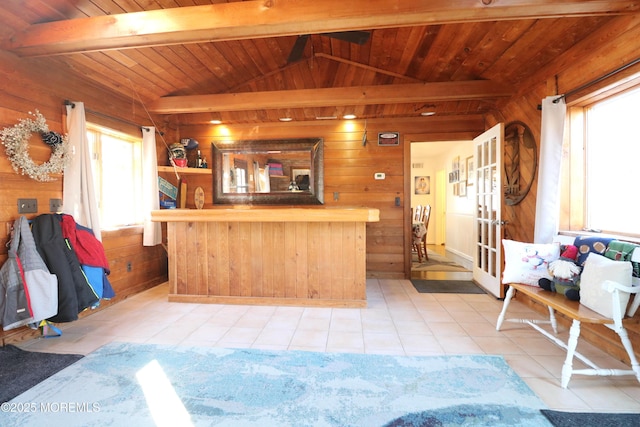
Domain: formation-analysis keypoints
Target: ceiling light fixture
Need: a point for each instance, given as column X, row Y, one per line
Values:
column 285, row 119
column 349, row 116
column 215, row 122
column 428, row 113
column 326, row 117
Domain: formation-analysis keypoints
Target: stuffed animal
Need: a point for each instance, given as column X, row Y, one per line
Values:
column 566, row 274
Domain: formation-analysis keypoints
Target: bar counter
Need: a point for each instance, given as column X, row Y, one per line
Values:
column 305, row 256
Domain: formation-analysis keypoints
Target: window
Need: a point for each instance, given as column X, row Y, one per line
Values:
column 601, row 164
column 117, row 174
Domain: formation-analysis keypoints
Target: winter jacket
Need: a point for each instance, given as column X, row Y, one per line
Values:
column 74, row 292
column 30, row 291
column 90, row 254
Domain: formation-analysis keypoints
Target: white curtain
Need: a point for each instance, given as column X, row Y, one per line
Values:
column 152, row 234
column 78, row 196
column 548, row 197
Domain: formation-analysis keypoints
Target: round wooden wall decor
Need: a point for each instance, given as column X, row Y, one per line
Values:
column 199, row 198
column 520, row 162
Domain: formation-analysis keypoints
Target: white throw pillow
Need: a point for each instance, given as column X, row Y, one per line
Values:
column 597, row 269
column 527, row 263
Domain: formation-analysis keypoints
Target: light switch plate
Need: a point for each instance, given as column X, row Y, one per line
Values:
column 379, row 175
column 27, row 206
column 55, row 205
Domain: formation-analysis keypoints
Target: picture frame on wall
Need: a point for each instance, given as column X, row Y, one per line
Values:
column 471, row 178
column 389, row 138
column 422, row 185
column 463, row 171
column 455, row 164
column 462, row 191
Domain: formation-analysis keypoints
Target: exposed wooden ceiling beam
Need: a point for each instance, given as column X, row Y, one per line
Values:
column 274, row 18
column 339, row 96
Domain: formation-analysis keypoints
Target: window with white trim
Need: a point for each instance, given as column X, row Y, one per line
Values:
column 117, row 174
column 601, row 166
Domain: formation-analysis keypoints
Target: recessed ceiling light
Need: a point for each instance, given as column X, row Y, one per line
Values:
column 215, row 122
column 285, row 119
column 428, row 113
column 349, row 116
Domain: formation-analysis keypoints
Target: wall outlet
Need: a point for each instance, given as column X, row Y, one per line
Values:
column 27, row 206
column 129, row 268
column 55, row 205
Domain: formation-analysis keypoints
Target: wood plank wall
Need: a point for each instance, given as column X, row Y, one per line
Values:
column 26, row 87
column 613, row 46
column 349, row 168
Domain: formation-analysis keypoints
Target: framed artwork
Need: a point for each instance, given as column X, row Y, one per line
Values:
column 463, row 171
column 296, row 171
column 471, row 178
column 389, row 138
column 462, row 191
column 455, row 164
column 422, row 185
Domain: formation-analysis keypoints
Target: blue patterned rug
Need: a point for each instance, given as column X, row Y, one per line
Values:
column 151, row 385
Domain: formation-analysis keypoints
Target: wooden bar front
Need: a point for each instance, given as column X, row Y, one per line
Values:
column 312, row 256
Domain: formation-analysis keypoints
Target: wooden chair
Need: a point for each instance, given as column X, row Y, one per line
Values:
column 420, row 217
column 426, row 214
column 416, row 214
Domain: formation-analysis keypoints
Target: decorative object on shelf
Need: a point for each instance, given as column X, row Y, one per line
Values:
column 16, row 142
column 178, row 155
column 199, row 197
column 293, row 186
column 189, row 143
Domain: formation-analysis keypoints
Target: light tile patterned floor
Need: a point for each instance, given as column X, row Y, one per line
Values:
column 398, row 321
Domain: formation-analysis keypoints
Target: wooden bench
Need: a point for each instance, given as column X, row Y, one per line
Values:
column 580, row 314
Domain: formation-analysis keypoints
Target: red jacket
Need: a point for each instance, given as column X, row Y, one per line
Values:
column 88, row 249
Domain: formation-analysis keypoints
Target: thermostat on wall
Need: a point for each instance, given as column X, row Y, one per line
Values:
column 379, row 175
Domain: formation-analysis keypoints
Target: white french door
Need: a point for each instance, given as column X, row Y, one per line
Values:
column 487, row 258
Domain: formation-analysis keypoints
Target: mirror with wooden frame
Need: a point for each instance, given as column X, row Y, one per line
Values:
column 268, row 172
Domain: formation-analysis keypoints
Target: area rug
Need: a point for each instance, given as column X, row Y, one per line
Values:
column 436, row 262
column 446, row 286
column 588, row 419
column 20, row 370
column 155, row 385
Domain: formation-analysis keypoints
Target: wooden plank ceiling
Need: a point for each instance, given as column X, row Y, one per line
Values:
column 212, row 59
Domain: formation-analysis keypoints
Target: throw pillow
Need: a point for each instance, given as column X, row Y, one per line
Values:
column 527, row 263
column 587, row 245
column 597, row 269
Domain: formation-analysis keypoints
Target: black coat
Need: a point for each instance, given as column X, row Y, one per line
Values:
column 74, row 292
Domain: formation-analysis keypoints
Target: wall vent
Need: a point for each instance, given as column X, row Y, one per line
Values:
column 417, row 165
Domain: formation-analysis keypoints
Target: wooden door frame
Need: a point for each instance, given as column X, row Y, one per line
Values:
column 406, row 142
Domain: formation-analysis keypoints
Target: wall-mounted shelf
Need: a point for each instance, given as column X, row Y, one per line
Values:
column 185, row 170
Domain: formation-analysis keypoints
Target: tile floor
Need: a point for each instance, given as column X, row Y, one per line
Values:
column 398, row 320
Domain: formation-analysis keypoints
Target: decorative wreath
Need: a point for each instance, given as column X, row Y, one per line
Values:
column 16, row 142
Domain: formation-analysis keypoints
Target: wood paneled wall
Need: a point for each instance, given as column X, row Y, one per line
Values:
column 26, row 87
column 610, row 48
column 349, row 166
column 349, row 169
